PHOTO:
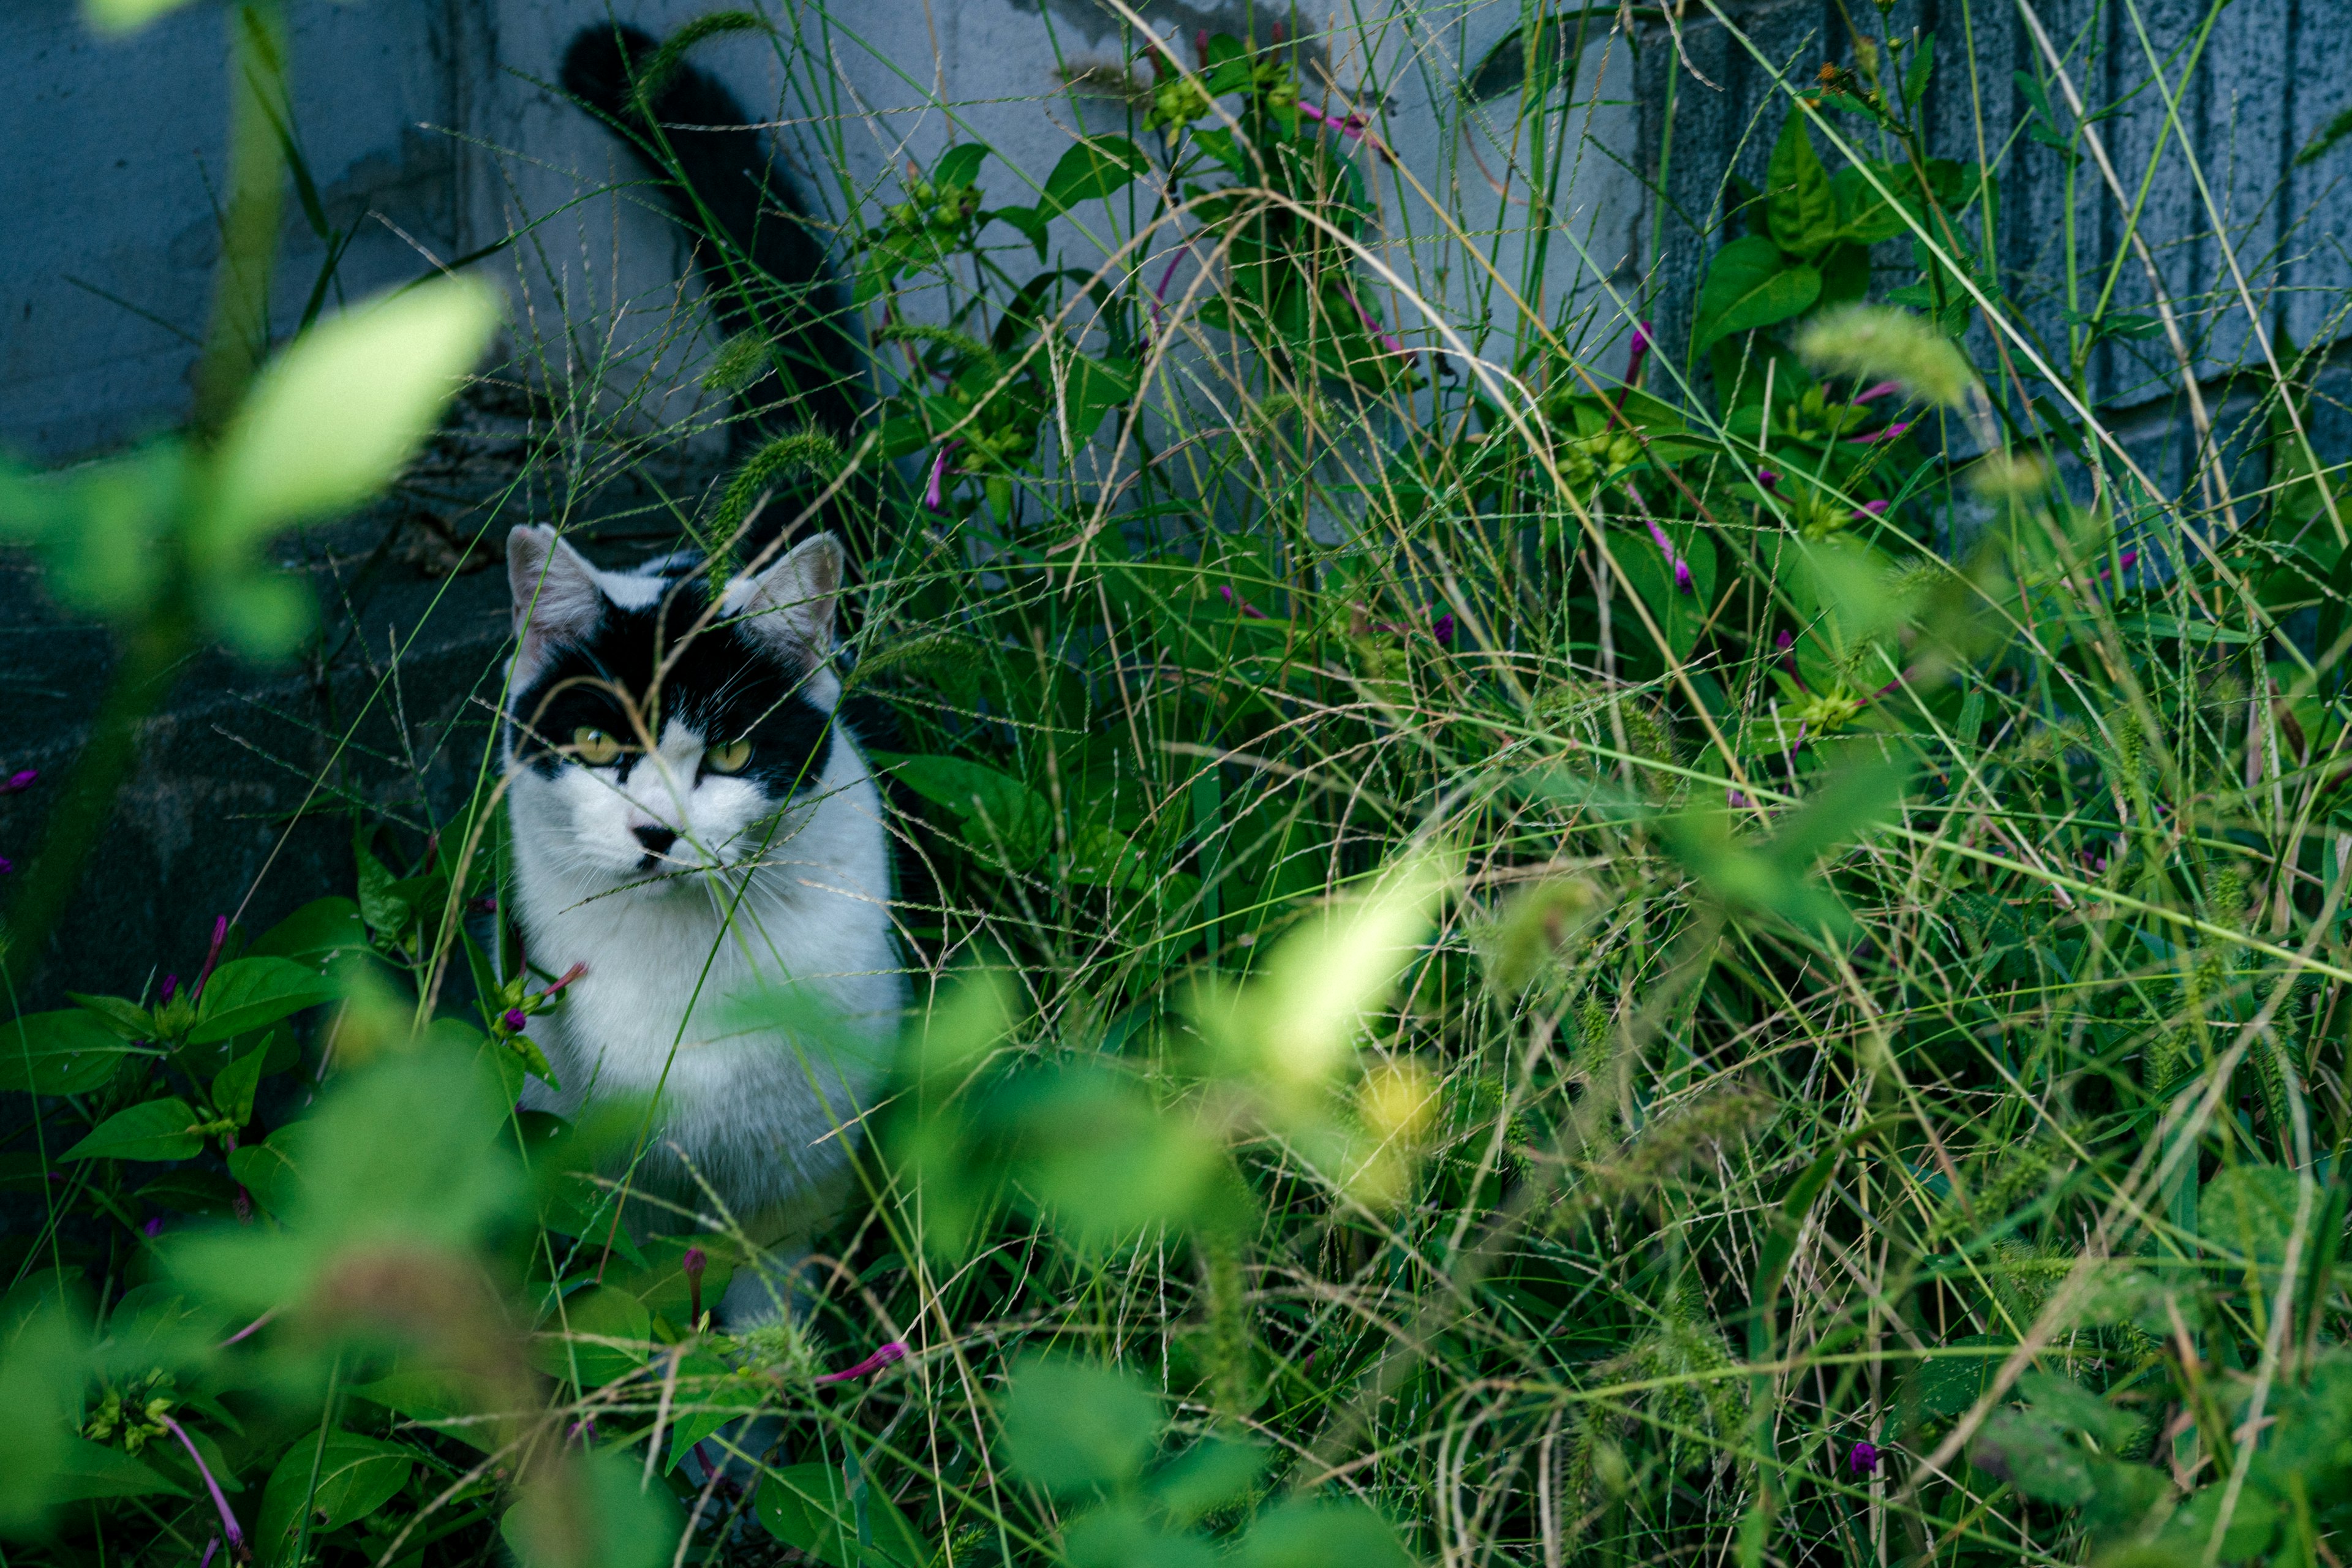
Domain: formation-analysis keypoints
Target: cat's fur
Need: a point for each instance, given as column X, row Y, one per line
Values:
column 778, row 876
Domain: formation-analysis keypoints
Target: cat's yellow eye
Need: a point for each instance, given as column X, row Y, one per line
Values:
column 594, row 747
column 728, row 757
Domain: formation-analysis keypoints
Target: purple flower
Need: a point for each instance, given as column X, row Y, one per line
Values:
column 515, row 1020
column 153, row 1228
column 1862, row 1458
column 1441, row 628
column 1388, row 339
column 228, row 1520
column 1249, row 612
column 6, row 865
column 1876, row 393
column 17, row 783
column 1875, row 436
column 691, row 1266
column 1769, row 479
column 931, row 496
column 486, row 904
column 1640, row 351
column 212, row 956
column 171, row 985
column 1666, row 547
column 1871, row 509
column 892, row 1352
column 1350, row 125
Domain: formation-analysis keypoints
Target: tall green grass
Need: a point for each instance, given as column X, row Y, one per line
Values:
column 1610, row 957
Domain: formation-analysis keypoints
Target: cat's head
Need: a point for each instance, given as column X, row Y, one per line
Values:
column 651, row 734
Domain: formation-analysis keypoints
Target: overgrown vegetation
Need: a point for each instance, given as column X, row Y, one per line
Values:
column 1731, row 948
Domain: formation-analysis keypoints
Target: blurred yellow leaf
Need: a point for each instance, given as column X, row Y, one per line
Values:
column 126, row 15
column 333, row 418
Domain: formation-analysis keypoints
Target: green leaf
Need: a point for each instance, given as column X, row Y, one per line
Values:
column 234, row 1086
column 1092, row 389
column 1096, row 167
column 153, row 1130
column 252, row 993
column 2033, row 1457
column 266, row 1170
column 41, row 1370
column 1798, row 204
column 354, row 1476
column 1865, row 216
column 609, row 1516
column 1072, row 1428
column 191, row 1190
column 1917, row 74
column 1206, row 1476
column 601, row 1334
column 1943, row 1386
column 333, row 418
column 87, row 1472
column 125, row 1017
column 67, row 1052
column 318, row 931
column 1001, row 810
column 1749, row 286
column 1303, row 1534
column 959, row 164
column 814, row 1509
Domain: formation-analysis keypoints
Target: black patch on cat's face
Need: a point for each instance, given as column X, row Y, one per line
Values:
column 723, row 685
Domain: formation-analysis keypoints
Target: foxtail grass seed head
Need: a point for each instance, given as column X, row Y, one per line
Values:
column 1886, row 343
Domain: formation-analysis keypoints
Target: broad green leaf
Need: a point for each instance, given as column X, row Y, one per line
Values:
column 153, row 1130
column 125, row 1017
column 266, row 1169
column 1092, row 389
column 959, row 164
column 2247, row 1212
column 2032, row 1456
column 1798, row 204
column 1865, row 216
column 1207, row 1475
column 1071, row 1428
column 1302, row 1534
column 1001, row 810
column 333, row 418
column 1122, row 1535
column 2251, row 1522
column 252, row 993
column 1943, row 1386
column 317, row 931
column 1099, row 1157
column 602, row 1511
column 813, row 1508
column 41, row 1373
column 70, row 1051
column 599, row 1335
column 1098, row 166
column 85, row 1471
column 234, row 1086
column 191, row 1190
column 343, row 1478
column 1749, row 286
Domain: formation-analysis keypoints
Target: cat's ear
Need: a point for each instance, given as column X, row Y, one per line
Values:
column 556, row 599
column 791, row 605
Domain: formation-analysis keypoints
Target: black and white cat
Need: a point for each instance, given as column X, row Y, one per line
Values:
column 693, row 822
